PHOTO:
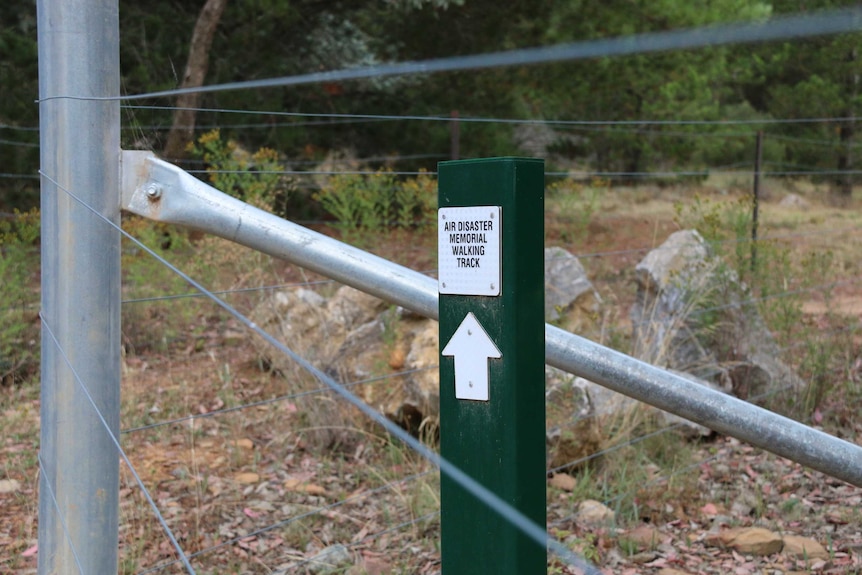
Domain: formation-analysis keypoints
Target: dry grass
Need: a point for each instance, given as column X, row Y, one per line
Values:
column 218, row 479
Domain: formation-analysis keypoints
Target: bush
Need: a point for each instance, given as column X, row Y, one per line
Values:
column 253, row 178
column 19, row 299
column 379, row 201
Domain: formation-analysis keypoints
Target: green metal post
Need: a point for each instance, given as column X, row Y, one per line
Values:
column 492, row 378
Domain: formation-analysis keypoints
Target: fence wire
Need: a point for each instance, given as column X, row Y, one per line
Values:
column 580, row 255
column 108, row 430
column 747, row 301
column 286, row 522
column 476, row 489
column 494, row 120
column 778, row 28
column 47, row 483
column 281, row 398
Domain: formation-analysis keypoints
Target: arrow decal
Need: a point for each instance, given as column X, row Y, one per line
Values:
column 471, row 347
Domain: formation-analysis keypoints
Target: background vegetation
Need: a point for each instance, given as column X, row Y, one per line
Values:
column 267, row 38
column 225, row 472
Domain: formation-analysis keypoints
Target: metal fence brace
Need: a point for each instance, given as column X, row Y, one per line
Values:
column 184, row 200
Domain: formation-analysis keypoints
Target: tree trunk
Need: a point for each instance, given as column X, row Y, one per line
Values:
column 845, row 159
column 183, row 126
column 846, row 133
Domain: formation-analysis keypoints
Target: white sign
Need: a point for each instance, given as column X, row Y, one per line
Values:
column 468, row 250
column 471, row 347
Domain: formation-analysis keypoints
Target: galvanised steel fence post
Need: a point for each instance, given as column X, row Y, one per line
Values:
column 80, row 151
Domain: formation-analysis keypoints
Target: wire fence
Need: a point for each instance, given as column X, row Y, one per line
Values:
column 612, row 501
column 347, row 393
column 502, row 507
column 649, row 127
column 317, row 284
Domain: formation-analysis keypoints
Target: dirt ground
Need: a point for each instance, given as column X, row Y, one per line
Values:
column 255, row 490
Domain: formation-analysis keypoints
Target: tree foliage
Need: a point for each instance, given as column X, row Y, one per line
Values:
column 258, row 39
column 818, row 78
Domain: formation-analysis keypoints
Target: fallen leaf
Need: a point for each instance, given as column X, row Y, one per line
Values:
column 397, row 357
column 294, row 484
column 247, row 477
column 804, row 547
column 250, row 513
column 592, row 512
column 245, row 443
column 752, row 540
column 31, row 551
column 818, row 565
column 818, row 416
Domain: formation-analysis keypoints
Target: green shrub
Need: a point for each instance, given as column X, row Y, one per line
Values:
column 19, row 298
column 254, row 178
column 576, row 202
column 376, row 202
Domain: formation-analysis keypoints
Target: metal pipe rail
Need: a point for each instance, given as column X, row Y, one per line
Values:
column 160, row 191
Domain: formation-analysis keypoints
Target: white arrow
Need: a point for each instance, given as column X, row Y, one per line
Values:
column 471, row 347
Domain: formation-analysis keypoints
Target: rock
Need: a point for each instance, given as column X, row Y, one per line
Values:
column 603, row 401
column 9, row 486
column 563, row 481
column 691, row 314
column 351, row 308
column 534, row 139
column 643, row 537
column 594, row 514
column 358, row 337
column 588, row 400
column 804, row 547
column 359, row 353
column 244, row 443
column 574, row 431
column 752, row 540
column 571, row 301
column 573, row 446
column 643, row 557
column 566, row 395
column 422, row 385
column 316, row 328
column 794, row 201
column 294, row 317
column 331, row 559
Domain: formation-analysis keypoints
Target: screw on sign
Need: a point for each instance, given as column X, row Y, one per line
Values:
column 469, row 250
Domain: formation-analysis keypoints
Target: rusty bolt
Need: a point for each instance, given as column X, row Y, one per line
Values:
column 153, row 191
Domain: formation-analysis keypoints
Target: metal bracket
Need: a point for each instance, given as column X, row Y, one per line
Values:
column 161, row 191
